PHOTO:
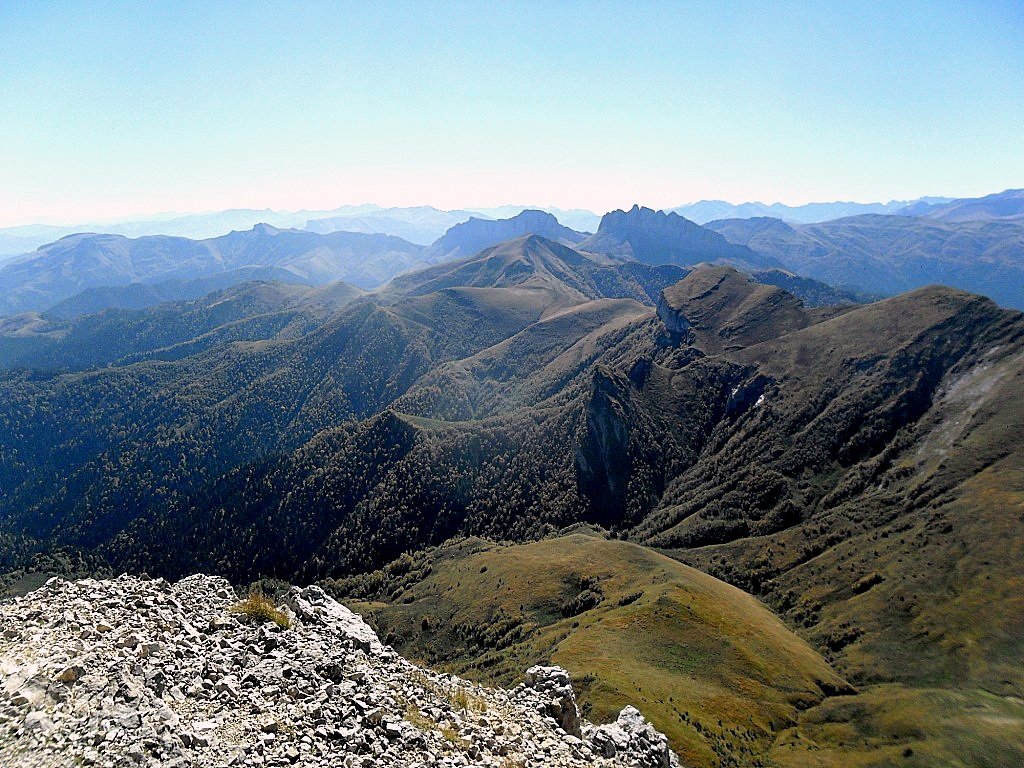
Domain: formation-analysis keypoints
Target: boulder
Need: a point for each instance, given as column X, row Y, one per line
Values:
column 314, row 606
column 634, row 739
column 553, row 683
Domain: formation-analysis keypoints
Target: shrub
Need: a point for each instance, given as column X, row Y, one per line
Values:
column 417, row 719
column 630, row 598
column 467, row 701
column 584, row 601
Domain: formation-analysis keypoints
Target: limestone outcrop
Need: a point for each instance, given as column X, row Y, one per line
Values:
column 136, row 672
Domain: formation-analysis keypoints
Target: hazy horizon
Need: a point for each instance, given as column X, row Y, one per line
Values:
column 158, row 215
column 110, row 110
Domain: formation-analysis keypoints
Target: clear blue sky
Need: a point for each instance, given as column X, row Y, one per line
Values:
column 114, row 109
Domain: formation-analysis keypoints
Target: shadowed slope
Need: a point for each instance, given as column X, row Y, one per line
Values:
column 169, row 331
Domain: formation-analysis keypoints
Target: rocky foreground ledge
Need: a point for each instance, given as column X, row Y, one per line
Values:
column 137, row 672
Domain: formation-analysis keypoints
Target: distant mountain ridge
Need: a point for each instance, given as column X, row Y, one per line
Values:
column 424, row 224
column 195, row 226
column 705, row 211
column 86, row 273
column 1008, row 204
column 76, row 263
column 891, row 254
column 421, row 225
column 857, row 257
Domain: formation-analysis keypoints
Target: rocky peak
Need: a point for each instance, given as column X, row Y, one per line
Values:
column 475, row 235
column 657, row 237
column 137, row 672
column 264, row 229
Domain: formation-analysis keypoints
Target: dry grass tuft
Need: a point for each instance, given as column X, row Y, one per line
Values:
column 467, row 701
column 258, row 607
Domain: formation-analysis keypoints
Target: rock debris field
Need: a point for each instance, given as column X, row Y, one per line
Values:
column 139, row 672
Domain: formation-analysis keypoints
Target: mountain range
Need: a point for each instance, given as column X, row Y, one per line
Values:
column 421, row 225
column 891, row 254
column 87, row 273
column 704, row 211
column 1001, row 205
column 856, row 468
column 971, row 244
column 78, row 263
column 424, row 224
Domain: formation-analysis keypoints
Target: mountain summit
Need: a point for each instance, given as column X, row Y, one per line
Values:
column 656, row 237
column 473, row 236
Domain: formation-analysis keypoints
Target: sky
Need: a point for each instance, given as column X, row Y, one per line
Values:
column 111, row 110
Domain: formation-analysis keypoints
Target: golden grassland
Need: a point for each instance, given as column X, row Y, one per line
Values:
column 710, row 665
column 707, row 663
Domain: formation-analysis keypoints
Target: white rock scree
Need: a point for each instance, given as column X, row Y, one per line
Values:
column 138, row 672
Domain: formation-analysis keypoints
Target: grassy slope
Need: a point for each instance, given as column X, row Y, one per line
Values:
column 916, row 596
column 892, row 725
column 705, row 661
column 947, row 611
column 922, row 585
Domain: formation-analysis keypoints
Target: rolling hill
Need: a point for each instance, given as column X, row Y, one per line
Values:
column 712, row 667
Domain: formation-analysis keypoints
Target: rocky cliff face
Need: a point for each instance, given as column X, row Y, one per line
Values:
column 133, row 672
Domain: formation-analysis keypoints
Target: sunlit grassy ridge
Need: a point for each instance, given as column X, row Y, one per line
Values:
column 706, row 662
column 709, row 664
